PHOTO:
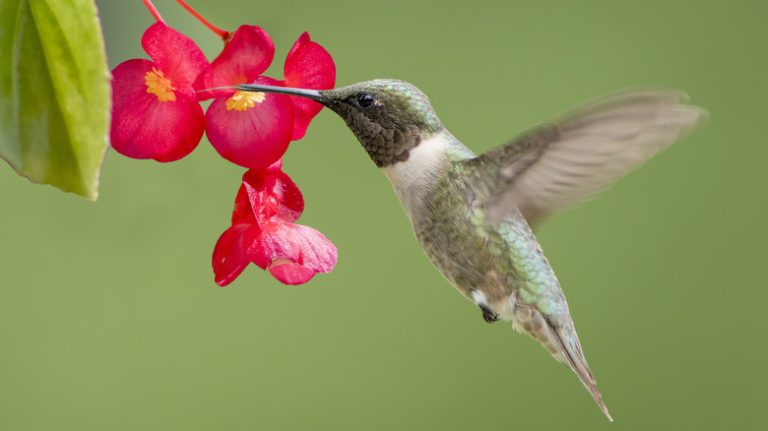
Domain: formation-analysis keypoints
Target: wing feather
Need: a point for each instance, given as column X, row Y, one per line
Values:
column 562, row 163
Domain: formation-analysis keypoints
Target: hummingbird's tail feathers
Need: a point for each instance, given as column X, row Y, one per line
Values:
column 574, row 358
column 563, row 344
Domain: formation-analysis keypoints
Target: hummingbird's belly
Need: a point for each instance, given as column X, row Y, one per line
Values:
column 504, row 262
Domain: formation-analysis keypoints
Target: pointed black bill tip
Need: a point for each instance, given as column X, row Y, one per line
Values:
column 315, row 95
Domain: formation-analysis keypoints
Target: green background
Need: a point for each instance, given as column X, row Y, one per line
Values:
column 110, row 320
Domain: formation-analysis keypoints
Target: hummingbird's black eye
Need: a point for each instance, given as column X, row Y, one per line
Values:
column 365, row 100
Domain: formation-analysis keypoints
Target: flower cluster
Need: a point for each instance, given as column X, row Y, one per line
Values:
column 156, row 114
column 156, row 110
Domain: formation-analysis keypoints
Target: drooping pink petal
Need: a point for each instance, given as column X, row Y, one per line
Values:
column 291, row 273
column 273, row 197
column 178, row 56
column 308, row 65
column 246, row 56
column 231, row 253
column 251, row 129
column 146, row 127
column 294, row 253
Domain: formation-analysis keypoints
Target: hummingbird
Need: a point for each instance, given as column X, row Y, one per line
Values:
column 473, row 214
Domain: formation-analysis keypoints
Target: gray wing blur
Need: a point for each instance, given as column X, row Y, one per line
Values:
column 562, row 163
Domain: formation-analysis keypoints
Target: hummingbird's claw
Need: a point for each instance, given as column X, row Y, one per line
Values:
column 488, row 315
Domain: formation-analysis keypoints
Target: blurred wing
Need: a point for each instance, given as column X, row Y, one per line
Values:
column 559, row 164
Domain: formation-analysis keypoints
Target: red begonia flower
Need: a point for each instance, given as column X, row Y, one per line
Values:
column 155, row 113
column 254, row 129
column 251, row 129
column 263, row 232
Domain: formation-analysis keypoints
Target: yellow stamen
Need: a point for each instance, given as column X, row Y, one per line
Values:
column 243, row 100
column 160, row 86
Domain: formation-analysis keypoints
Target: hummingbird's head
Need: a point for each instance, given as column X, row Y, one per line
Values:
column 388, row 117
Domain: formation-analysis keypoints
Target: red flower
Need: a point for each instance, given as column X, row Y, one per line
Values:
column 253, row 129
column 155, row 113
column 263, row 232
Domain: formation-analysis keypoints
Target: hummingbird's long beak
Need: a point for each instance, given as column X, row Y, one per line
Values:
column 302, row 92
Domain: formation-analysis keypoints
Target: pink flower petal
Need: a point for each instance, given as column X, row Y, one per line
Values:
column 267, row 195
column 143, row 127
column 308, row 65
column 246, row 56
column 302, row 40
column 255, row 137
column 175, row 54
column 290, row 273
column 231, row 253
column 242, row 213
column 294, row 253
column 273, row 197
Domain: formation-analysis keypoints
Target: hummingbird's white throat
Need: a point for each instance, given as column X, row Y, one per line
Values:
column 424, row 163
column 415, row 176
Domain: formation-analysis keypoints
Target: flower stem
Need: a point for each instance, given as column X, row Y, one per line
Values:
column 153, row 10
column 223, row 34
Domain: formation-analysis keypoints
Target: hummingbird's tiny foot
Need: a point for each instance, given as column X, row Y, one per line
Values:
column 488, row 315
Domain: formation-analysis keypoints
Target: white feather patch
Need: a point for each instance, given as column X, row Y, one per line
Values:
column 422, row 165
column 479, row 298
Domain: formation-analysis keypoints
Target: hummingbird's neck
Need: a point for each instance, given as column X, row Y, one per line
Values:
column 426, row 164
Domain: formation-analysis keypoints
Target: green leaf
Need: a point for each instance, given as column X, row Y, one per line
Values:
column 54, row 92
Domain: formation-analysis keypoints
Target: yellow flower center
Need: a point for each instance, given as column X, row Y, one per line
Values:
column 160, row 86
column 243, row 100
